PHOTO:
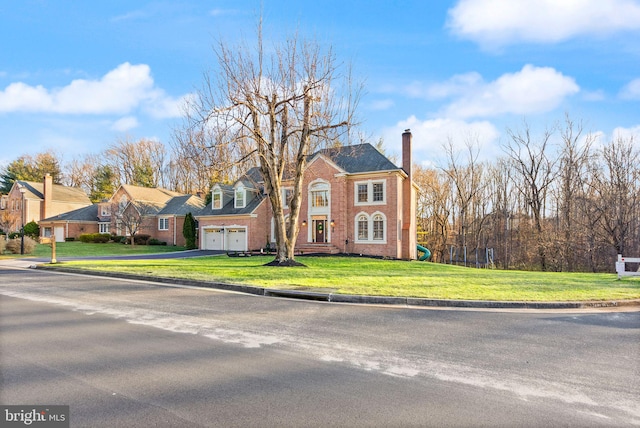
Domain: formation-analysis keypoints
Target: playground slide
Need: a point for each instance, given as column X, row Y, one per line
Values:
column 426, row 252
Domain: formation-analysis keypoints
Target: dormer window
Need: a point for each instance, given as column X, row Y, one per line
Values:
column 216, row 199
column 240, row 199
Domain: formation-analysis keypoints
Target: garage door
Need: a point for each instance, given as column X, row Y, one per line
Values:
column 237, row 239
column 59, row 233
column 213, row 239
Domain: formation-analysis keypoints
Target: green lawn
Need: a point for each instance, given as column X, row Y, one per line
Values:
column 386, row 278
column 80, row 249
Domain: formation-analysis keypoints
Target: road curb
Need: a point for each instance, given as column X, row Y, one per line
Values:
column 354, row 299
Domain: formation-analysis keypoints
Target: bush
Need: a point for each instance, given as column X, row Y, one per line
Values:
column 14, row 235
column 154, row 241
column 69, row 239
column 32, row 229
column 142, row 239
column 14, row 245
column 95, row 238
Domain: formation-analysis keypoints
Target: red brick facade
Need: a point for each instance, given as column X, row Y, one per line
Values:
column 369, row 213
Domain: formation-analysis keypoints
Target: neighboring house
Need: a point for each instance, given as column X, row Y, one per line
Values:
column 156, row 212
column 31, row 201
column 71, row 224
column 355, row 200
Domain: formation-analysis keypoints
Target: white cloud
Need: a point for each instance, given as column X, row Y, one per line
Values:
column 120, row 91
column 497, row 23
column 626, row 133
column 125, row 124
column 631, row 91
column 430, row 136
column 530, row 90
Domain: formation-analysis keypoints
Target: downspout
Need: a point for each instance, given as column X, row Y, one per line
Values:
column 175, row 228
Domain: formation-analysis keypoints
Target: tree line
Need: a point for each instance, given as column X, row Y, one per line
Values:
column 557, row 201
column 187, row 166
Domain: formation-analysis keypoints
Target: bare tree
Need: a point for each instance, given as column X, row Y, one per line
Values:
column 135, row 216
column 535, row 170
column 200, row 158
column 467, row 183
column 435, row 206
column 616, row 186
column 574, row 159
column 278, row 104
column 140, row 163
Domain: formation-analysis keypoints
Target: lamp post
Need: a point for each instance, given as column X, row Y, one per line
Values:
column 22, row 191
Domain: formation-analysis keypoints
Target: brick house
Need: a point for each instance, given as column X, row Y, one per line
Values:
column 355, row 200
column 160, row 211
column 161, row 214
column 32, row 201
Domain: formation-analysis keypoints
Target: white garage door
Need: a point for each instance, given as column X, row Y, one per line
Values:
column 237, row 239
column 59, row 234
column 213, row 239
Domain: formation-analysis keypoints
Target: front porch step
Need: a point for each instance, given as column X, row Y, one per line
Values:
column 319, row 248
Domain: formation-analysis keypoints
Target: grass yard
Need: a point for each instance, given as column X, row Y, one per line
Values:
column 81, row 249
column 347, row 275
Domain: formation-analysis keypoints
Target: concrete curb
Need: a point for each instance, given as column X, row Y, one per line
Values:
column 355, row 299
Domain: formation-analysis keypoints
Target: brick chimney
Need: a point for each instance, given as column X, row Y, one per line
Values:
column 47, row 195
column 409, row 201
column 407, row 161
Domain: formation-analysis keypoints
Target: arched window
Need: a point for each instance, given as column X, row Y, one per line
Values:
column 363, row 227
column 378, row 227
column 319, row 195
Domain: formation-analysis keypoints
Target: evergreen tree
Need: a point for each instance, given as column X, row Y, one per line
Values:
column 103, row 183
column 189, row 231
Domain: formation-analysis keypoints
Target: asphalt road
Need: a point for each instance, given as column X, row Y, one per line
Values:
column 133, row 354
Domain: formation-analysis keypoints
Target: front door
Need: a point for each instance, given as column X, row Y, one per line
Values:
column 320, row 231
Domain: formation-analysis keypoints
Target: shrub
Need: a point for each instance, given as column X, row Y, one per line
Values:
column 14, row 235
column 95, row 238
column 32, row 229
column 142, row 239
column 154, row 241
column 14, row 245
column 69, row 239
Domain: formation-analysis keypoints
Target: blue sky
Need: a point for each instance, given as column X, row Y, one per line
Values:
column 77, row 76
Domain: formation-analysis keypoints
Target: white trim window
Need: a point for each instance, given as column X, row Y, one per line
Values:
column 216, row 199
column 371, row 228
column 240, row 197
column 372, row 192
column 287, row 195
column 163, row 223
column 104, row 227
column 378, row 227
column 319, row 197
column 362, row 227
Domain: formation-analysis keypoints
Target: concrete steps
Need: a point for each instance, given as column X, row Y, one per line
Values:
column 316, row 248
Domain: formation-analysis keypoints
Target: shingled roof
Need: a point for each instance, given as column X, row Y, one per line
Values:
column 59, row 193
column 181, row 205
column 358, row 158
column 84, row 214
